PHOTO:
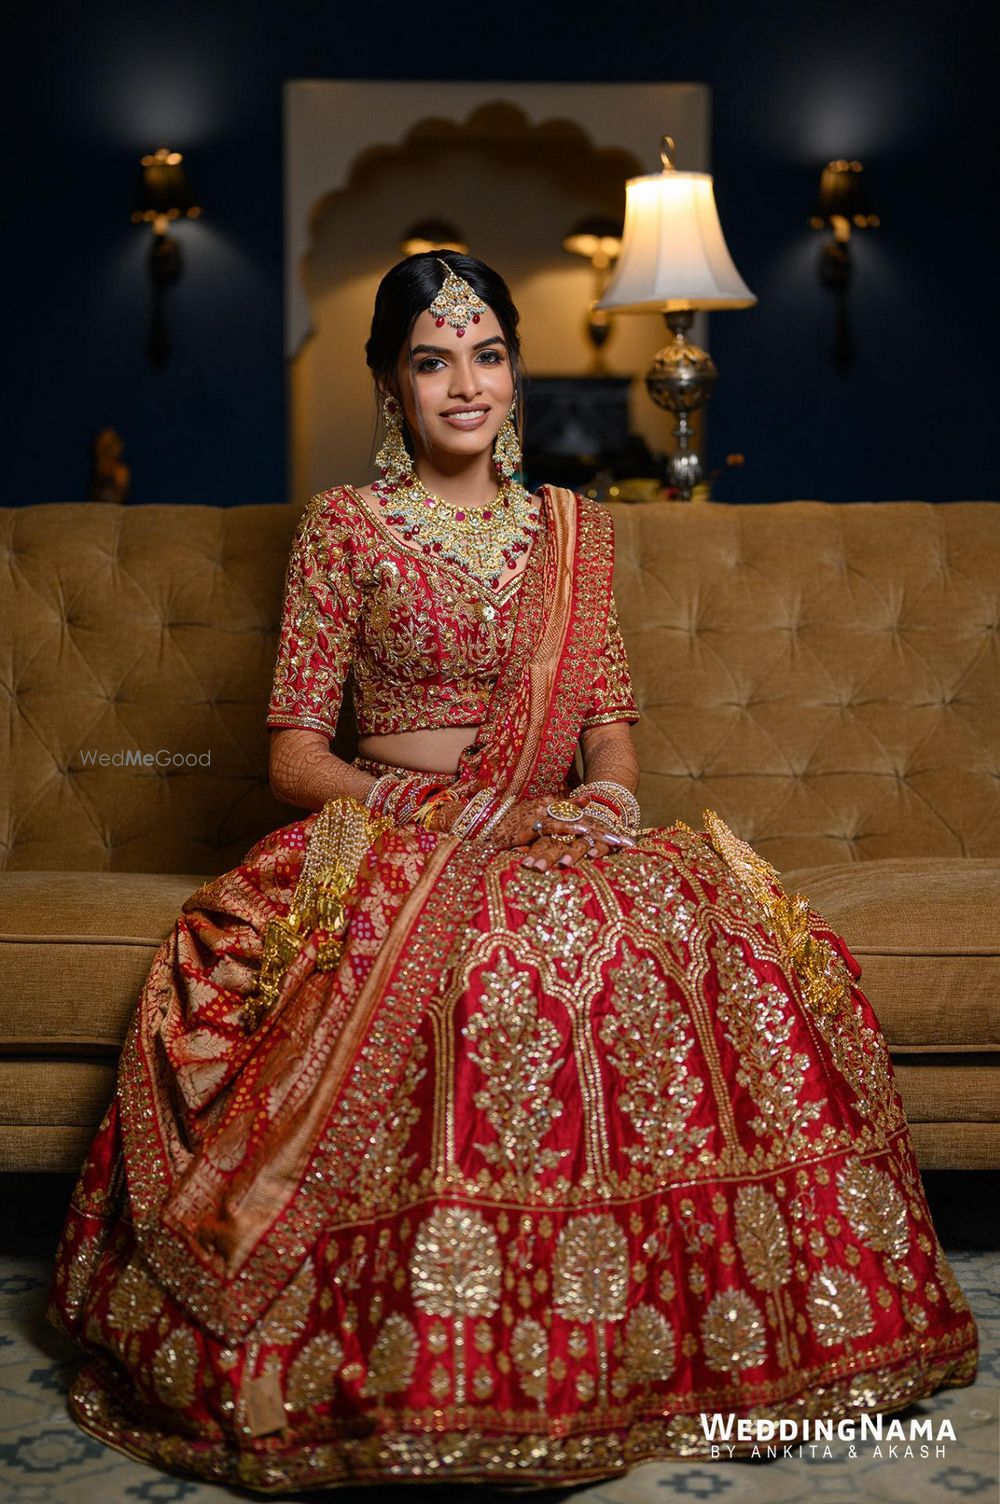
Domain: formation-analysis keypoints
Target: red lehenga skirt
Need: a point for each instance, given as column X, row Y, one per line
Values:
column 548, row 1168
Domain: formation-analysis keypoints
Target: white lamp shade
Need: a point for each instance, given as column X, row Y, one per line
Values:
column 673, row 254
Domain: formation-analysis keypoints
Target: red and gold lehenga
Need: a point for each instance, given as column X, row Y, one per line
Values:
column 547, row 1166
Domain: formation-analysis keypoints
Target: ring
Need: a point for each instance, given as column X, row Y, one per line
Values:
column 555, row 836
column 537, row 825
column 563, row 809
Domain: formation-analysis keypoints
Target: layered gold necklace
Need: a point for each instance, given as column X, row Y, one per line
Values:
column 481, row 540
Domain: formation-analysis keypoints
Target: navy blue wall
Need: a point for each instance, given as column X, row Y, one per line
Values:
column 904, row 86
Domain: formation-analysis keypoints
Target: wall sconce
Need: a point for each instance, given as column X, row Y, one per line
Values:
column 163, row 193
column 600, row 240
column 674, row 260
column 432, row 235
column 841, row 204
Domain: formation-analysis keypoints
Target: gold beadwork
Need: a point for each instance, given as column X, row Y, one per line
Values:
column 457, row 303
column 339, row 839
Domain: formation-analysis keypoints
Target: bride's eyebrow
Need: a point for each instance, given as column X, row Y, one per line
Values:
column 495, row 339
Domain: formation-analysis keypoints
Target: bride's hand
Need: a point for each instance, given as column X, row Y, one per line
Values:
column 529, row 824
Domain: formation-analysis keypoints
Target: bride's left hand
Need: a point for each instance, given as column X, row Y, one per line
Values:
column 529, row 826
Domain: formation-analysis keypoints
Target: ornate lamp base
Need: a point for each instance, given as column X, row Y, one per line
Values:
column 681, row 379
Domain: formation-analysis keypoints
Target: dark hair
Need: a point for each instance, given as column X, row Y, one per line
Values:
column 409, row 288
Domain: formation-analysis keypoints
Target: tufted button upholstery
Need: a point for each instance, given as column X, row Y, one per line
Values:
column 838, row 692
column 144, row 627
column 826, row 677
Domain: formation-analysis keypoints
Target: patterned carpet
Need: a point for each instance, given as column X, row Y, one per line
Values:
column 45, row 1459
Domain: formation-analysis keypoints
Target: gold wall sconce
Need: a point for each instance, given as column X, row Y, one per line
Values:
column 163, row 194
column 842, row 205
column 598, row 239
column 674, row 260
column 432, row 235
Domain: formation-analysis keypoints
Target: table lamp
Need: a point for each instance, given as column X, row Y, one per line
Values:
column 674, row 261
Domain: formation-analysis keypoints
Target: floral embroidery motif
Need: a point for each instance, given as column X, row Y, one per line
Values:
column 650, row 1348
column 529, row 1348
column 762, row 1238
column 733, row 1334
column 311, row 1374
column 838, row 1306
column 874, row 1207
column 518, row 1053
column 649, row 1042
column 455, row 1271
column 175, row 1367
column 590, row 1281
column 393, row 1358
column 760, row 1019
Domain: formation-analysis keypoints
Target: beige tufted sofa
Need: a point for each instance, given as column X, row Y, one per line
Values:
column 826, row 677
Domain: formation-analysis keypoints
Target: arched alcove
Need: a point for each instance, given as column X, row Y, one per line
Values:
column 513, row 176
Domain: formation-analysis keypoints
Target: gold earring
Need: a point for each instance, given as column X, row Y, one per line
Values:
column 393, row 459
column 507, row 449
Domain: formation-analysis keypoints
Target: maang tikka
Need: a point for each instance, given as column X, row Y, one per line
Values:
column 456, row 303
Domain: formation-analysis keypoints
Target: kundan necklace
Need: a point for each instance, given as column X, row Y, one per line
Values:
column 482, row 540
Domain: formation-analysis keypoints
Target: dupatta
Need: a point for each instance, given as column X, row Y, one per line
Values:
column 227, row 1222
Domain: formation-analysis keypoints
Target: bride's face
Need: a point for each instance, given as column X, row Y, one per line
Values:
column 463, row 385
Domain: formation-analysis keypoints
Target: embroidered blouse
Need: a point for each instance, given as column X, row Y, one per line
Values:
column 422, row 639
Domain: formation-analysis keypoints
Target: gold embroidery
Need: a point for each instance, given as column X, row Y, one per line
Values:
column 762, row 1237
column 838, row 1306
column 649, row 1041
column 455, row 1271
column 385, row 1168
column 288, row 1316
column 733, row 1334
column 821, row 970
column 393, row 1357
column 874, row 1208
column 529, row 1348
column 517, row 1054
column 311, row 1373
column 175, row 1367
column 134, row 1302
column 649, row 1353
column 590, row 1279
column 759, row 1021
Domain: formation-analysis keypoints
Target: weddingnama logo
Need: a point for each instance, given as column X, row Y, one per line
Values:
column 787, row 1437
column 131, row 757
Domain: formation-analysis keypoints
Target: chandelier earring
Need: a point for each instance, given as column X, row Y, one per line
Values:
column 393, row 459
column 507, row 448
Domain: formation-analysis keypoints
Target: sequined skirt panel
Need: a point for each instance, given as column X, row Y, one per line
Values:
column 616, row 1172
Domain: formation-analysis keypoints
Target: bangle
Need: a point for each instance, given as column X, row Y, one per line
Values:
column 618, row 797
column 604, row 816
column 493, row 820
column 474, row 812
column 379, row 792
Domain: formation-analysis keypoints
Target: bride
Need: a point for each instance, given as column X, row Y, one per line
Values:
column 471, row 1129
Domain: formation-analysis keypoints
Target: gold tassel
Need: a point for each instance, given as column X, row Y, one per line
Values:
column 816, row 963
column 342, row 834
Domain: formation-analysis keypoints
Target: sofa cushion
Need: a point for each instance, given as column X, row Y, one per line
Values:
column 926, row 931
column 75, row 950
